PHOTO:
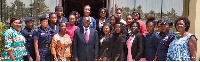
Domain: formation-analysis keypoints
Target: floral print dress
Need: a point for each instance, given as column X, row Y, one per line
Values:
column 61, row 46
column 179, row 50
column 14, row 41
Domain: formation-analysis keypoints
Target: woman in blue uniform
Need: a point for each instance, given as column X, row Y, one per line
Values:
column 27, row 32
column 42, row 40
column 164, row 40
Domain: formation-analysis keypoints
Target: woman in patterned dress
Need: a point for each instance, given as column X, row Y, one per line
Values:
column 14, row 42
column 184, row 45
column 61, row 44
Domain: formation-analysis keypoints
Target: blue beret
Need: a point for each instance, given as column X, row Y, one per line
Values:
column 44, row 17
column 28, row 19
column 164, row 22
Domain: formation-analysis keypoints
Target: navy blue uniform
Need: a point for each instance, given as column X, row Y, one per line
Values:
column 44, row 40
column 162, row 46
column 28, row 34
column 64, row 19
column 151, row 45
column 53, row 30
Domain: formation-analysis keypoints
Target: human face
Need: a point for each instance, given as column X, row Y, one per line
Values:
column 129, row 20
column 103, row 13
column 29, row 24
column 119, row 14
column 165, row 28
column 59, row 12
column 53, row 18
column 87, row 11
column 159, row 27
column 77, row 16
column 62, row 27
column 112, row 20
column 106, row 30
column 150, row 27
column 118, row 28
column 134, row 28
column 72, row 19
column 86, row 22
column 16, row 25
column 136, row 16
column 180, row 26
column 44, row 23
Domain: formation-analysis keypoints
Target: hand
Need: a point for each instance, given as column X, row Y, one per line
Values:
column 75, row 59
column 30, row 59
column 55, row 59
column 38, row 58
column 95, row 59
column 104, row 58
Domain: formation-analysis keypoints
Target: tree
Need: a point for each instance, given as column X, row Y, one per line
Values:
column 18, row 9
column 5, row 11
column 39, row 8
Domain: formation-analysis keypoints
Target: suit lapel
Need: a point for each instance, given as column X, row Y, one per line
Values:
column 82, row 34
column 90, row 35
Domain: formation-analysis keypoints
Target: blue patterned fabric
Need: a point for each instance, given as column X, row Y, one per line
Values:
column 14, row 41
column 179, row 49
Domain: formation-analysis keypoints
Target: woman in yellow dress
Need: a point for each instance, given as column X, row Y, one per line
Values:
column 61, row 45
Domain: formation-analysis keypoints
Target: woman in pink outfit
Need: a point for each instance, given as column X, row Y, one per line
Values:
column 71, row 26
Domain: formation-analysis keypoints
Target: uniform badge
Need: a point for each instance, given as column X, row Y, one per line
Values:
column 42, row 33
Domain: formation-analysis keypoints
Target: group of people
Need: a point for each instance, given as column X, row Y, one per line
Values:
column 104, row 39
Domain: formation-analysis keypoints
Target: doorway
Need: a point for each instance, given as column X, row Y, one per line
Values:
column 77, row 5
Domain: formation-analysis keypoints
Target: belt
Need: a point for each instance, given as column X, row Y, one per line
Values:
column 44, row 45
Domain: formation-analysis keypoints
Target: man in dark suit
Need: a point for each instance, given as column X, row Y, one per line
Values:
column 86, row 42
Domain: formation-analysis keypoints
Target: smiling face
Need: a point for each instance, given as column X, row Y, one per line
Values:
column 136, row 16
column 106, row 30
column 103, row 13
column 59, row 12
column 87, row 11
column 118, row 28
column 134, row 28
column 72, row 19
column 129, row 19
column 112, row 20
column 44, row 23
column 150, row 27
column 62, row 27
column 53, row 18
column 16, row 25
column 180, row 26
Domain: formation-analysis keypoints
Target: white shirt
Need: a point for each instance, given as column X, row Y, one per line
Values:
column 87, row 30
column 123, row 21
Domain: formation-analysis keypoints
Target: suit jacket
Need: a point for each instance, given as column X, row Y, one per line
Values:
column 137, row 49
column 83, row 51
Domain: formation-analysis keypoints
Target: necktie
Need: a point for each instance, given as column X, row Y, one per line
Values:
column 86, row 36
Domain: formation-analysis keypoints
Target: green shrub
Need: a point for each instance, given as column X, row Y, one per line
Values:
column 2, row 29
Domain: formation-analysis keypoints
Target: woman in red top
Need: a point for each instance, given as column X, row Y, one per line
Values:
column 71, row 26
column 137, row 17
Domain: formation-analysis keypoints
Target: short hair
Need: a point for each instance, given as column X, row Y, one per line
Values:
column 185, row 20
column 136, row 12
column 109, row 25
column 14, row 19
column 138, row 24
column 86, row 6
column 153, row 21
column 58, row 7
column 51, row 14
column 119, row 9
column 123, row 28
column 159, row 21
column 73, row 12
column 106, row 11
